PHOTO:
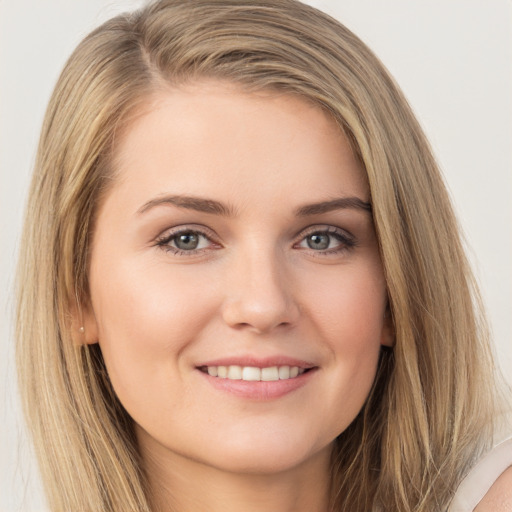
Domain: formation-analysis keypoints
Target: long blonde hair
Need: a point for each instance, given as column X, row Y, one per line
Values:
column 431, row 409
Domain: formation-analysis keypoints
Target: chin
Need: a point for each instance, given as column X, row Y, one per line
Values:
column 268, row 454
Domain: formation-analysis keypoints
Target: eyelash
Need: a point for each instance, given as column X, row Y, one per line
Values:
column 164, row 241
column 346, row 240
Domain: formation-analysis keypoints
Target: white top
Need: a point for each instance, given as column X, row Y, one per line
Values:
column 481, row 478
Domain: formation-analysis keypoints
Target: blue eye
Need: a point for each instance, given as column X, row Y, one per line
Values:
column 318, row 241
column 184, row 241
column 329, row 240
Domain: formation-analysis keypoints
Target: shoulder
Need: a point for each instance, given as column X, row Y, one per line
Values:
column 488, row 486
column 499, row 496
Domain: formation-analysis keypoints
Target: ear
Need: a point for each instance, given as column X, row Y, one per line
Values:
column 84, row 326
column 387, row 337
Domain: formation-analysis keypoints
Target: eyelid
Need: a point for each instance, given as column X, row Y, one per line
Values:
column 184, row 228
column 167, row 235
column 325, row 228
column 348, row 241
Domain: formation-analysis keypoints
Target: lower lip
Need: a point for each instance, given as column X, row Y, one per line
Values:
column 259, row 390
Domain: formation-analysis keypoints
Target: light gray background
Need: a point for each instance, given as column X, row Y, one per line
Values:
column 453, row 59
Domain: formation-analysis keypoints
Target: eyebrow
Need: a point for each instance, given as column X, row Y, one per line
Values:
column 190, row 203
column 335, row 204
column 215, row 207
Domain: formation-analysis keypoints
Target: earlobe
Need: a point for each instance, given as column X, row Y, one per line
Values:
column 388, row 330
column 90, row 326
column 84, row 326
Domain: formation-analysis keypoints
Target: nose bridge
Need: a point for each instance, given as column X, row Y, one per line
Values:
column 260, row 293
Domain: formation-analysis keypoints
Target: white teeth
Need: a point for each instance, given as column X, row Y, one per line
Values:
column 268, row 374
column 234, row 372
column 252, row 373
column 284, row 372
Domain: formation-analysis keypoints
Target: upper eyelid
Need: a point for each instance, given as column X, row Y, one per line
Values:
column 346, row 239
column 163, row 241
column 192, row 228
column 323, row 228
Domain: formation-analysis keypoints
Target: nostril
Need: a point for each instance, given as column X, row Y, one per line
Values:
column 261, row 308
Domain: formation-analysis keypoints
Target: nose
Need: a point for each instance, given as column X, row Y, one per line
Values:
column 259, row 295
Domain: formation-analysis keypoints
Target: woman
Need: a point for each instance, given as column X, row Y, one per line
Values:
column 250, row 282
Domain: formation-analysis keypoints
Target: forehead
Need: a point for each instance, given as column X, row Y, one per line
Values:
column 214, row 138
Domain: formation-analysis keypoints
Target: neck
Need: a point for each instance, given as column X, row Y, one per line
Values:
column 178, row 484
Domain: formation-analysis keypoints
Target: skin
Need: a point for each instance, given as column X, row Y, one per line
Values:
column 499, row 497
column 254, row 288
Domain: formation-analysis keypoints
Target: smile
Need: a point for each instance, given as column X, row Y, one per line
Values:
column 252, row 373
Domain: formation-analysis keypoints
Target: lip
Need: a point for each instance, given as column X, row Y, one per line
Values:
column 258, row 390
column 258, row 362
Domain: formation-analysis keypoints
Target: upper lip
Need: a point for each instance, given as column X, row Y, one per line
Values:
column 258, row 362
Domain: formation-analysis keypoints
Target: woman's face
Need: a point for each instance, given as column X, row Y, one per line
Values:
column 236, row 288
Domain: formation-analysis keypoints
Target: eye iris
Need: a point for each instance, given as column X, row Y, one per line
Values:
column 318, row 241
column 187, row 241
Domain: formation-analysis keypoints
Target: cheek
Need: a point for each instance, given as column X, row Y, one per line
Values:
column 348, row 313
column 146, row 315
column 152, row 299
column 349, row 307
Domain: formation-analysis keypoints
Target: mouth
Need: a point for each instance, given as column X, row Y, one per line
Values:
column 254, row 373
column 257, row 378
